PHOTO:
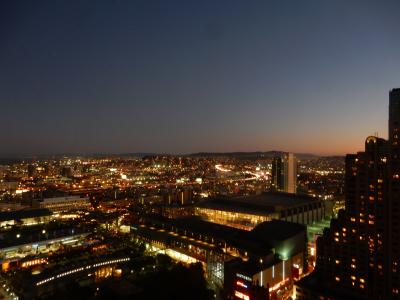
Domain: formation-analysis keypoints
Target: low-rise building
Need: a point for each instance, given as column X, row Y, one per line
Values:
column 270, row 255
column 59, row 204
column 19, row 243
column 245, row 212
column 25, row 217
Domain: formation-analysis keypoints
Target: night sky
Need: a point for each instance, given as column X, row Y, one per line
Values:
column 188, row 76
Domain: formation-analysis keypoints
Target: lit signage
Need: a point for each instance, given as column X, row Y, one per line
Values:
column 241, row 295
column 239, row 283
column 243, row 277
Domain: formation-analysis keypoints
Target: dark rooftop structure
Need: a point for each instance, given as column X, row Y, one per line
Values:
column 267, row 202
column 248, row 211
column 226, row 250
column 276, row 230
column 24, row 214
column 260, row 241
column 34, row 234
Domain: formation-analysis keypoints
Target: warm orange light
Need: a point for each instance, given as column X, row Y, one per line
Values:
column 239, row 283
column 241, row 295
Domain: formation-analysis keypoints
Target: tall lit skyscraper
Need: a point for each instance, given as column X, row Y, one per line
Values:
column 358, row 257
column 290, row 173
column 393, row 206
column 284, row 173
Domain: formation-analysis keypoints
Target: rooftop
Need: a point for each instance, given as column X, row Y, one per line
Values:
column 34, row 234
column 24, row 214
column 64, row 198
column 259, row 241
column 265, row 203
column 276, row 230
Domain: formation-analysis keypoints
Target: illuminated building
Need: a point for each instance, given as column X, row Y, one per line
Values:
column 27, row 263
column 59, row 204
column 284, row 173
column 247, row 291
column 25, row 217
column 270, row 255
column 17, row 244
column 358, row 257
column 57, row 276
column 248, row 211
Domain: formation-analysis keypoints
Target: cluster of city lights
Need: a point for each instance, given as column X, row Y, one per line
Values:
column 82, row 269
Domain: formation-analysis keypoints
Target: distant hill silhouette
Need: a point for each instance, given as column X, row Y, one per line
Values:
column 256, row 154
column 239, row 154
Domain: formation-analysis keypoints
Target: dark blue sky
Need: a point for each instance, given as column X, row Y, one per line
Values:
column 188, row 76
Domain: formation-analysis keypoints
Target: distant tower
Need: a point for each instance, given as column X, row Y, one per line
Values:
column 277, row 178
column 289, row 173
column 284, row 173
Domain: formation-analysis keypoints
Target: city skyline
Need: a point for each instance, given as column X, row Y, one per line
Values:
column 207, row 77
column 203, row 150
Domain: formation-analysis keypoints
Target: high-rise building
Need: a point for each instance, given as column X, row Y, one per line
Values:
column 393, row 206
column 277, row 178
column 284, row 173
column 358, row 257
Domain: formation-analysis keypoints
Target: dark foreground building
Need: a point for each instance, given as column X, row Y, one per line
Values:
column 358, row 257
column 247, row 264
